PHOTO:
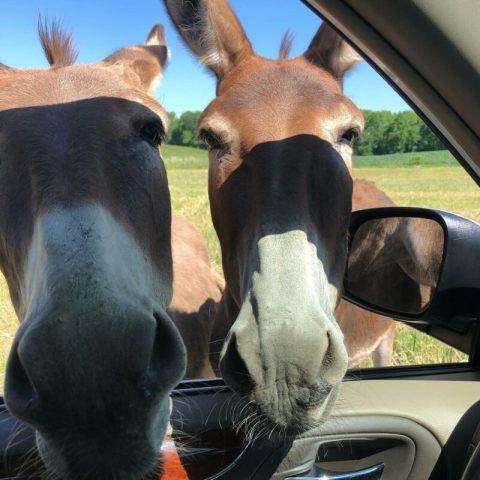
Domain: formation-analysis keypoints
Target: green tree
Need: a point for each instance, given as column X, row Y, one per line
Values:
column 183, row 130
column 172, row 118
column 376, row 122
column 428, row 140
column 402, row 135
column 387, row 132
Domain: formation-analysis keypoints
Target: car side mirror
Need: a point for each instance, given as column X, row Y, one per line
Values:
column 416, row 264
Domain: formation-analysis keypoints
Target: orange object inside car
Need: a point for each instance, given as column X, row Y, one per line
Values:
column 172, row 465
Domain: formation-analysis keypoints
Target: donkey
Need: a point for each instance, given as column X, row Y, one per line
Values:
column 85, row 246
column 197, row 291
column 280, row 135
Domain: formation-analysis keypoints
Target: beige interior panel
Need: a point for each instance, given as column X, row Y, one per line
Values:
column 413, row 420
column 436, row 405
column 412, row 457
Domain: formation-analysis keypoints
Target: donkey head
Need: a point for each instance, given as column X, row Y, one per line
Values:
column 280, row 135
column 85, row 248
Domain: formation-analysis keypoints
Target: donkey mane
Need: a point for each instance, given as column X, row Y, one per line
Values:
column 57, row 43
column 286, row 45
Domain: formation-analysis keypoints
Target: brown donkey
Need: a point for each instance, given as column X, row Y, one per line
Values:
column 85, row 246
column 280, row 135
column 197, row 291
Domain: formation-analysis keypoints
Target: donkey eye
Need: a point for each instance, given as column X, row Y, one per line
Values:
column 211, row 140
column 153, row 133
column 349, row 136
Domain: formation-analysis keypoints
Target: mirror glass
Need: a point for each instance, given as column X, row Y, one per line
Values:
column 394, row 263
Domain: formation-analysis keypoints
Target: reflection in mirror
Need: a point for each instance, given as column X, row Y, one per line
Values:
column 395, row 263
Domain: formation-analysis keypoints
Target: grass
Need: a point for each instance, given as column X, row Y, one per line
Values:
column 8, row 325
column 440, row 158
column 177, row 157
column 426, row 179
column 447, row 188
column 412, row 347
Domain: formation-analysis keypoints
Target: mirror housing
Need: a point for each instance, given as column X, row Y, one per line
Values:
column 454, row 302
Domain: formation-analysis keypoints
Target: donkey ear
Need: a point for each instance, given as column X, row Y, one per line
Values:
column 329, row 51
column 143, row 65
column 212, row 31
column 5, row 68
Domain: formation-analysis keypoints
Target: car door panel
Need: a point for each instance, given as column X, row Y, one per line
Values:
column 403, row 423
column 367, row 443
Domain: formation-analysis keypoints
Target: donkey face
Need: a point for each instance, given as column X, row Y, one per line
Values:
column 280, row 135
column 85, row 248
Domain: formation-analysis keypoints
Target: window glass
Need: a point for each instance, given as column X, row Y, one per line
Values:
column 402, row 157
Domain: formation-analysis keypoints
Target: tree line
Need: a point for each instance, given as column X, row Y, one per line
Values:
column 385, row 132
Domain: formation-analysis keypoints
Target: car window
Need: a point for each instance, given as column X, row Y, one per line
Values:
column 399, row 160
column 400, row 155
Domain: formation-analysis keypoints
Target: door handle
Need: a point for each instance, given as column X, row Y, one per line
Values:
column 370, row 473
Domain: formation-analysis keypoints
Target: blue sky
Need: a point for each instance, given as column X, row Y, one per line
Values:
column 102, row 26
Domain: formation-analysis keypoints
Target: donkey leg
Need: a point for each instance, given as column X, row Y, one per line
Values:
column 195, row 329
column 383, row 353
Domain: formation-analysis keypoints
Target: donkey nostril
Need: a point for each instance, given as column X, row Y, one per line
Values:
column 20, row 394
column 335, row 358
column 168, row 357
column 234, row 369
column 314, row 396
column 328, row 357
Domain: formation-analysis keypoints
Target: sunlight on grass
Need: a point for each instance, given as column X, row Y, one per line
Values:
column 8, row 326
column 446, row 188
column 412, row 347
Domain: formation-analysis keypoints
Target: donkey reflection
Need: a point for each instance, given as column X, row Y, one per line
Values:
column 395, row 262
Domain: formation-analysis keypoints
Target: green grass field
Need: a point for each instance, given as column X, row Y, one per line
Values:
column 177, row 157
column 426, row 179
column 430, row 159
